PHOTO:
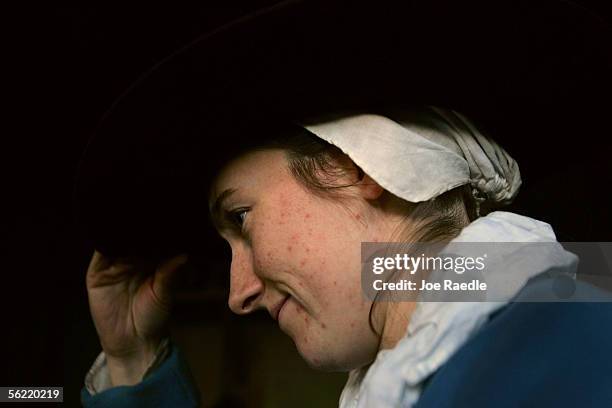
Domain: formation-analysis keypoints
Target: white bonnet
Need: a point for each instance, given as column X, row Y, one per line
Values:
column 420, row 154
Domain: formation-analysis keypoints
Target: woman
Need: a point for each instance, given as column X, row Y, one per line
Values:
column 296, row 202
column 295, row 209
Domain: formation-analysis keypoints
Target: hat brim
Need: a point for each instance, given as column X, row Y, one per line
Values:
column 519, row 68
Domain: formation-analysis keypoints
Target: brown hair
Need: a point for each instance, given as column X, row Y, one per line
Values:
column 319, row 166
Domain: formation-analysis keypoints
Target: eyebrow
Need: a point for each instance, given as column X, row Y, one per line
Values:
column 217, row 205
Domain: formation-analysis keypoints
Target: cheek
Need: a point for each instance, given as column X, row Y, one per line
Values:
column 348, row 311
column 336, row 341
column 306, row 245
column 290, row 240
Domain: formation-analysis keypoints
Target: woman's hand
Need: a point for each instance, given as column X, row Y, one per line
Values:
column 130, row 302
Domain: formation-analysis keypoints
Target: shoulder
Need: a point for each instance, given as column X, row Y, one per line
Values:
column 535, row 354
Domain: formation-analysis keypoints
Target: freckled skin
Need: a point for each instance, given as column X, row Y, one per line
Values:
column 304, row 247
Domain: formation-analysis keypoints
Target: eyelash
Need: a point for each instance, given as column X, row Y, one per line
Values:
column 236, row 219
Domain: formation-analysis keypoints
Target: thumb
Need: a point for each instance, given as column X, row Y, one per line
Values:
column 166, row 276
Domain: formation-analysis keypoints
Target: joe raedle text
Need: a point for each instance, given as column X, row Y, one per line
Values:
column 424, row 285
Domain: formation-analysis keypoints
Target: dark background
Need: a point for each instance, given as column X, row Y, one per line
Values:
column 67, row 65
column 63, row 69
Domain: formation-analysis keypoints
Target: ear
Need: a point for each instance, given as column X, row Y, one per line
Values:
column 368, row 188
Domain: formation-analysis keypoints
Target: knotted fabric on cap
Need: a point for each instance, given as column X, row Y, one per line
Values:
column 420, row 154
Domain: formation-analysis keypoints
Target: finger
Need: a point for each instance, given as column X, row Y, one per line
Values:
column 166, row 275
column 98, row 265
column 98, row 261
column 104, row 270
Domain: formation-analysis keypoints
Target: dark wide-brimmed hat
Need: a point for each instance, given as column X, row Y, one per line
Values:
column 534, row 74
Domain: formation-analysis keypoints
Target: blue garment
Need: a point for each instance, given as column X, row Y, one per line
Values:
column 170, row 385
column 532, row 355
column 527, row 355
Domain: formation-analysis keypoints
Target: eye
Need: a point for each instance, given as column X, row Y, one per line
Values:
column 238, row 217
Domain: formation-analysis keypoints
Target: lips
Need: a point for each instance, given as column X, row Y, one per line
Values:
column 274, row 312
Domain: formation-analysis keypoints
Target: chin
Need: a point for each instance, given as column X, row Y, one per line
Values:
column 322, row 364
column 322, row 359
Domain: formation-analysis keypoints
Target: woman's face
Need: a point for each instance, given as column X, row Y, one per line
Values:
column 298, row 256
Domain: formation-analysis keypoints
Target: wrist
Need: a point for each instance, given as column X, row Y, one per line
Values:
column 130, row 369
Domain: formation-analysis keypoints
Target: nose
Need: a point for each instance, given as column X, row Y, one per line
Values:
column 246, row 289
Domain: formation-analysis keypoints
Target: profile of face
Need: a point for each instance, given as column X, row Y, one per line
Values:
column 297, row 254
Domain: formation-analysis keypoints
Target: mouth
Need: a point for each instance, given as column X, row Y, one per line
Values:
column 275, row 311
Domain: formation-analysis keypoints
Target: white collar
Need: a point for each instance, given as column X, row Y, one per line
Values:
column 437, row 329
